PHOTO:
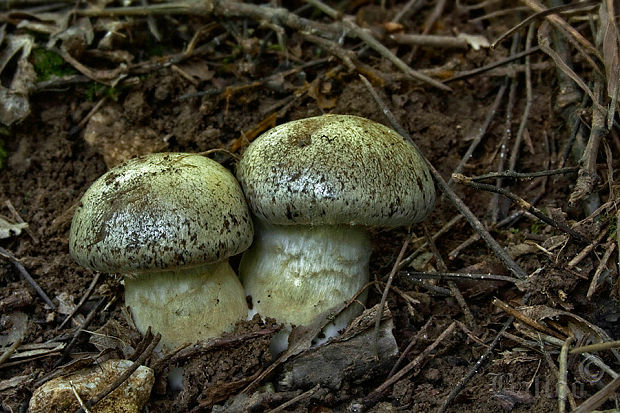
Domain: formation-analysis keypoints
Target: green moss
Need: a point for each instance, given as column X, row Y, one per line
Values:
column 537, row 226
column 613, row 228
column 48, row 64
column 5, row 132
column 3, row 154
column 153, row 48
column 96, row 90
column 275, row 47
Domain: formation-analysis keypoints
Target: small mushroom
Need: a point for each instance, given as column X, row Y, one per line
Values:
column 168, row 222
column 315, row 186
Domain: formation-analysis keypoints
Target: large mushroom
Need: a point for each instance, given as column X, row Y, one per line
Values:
column 168, row 222
column 315, row 186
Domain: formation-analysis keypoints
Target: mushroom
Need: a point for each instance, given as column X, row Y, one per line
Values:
column 168, row 222
column 315, row 186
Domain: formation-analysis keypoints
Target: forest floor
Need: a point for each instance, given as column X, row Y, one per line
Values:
column 88, row 85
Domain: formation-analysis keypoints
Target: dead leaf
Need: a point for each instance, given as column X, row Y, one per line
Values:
column 475, row 41
column 14, row 103
column 14, row 326
column 393, row 27
column 198, row 69
column 8, row 229
column 13, row 382
column 578, row 326
column 322, row 101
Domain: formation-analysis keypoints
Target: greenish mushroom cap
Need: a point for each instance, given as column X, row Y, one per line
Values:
column 160, row 211
column 336, row 169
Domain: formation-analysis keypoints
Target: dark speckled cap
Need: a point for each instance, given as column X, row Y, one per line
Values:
column 160, row 211
column 336, row 169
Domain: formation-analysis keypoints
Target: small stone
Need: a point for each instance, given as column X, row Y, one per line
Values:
column 56, row 395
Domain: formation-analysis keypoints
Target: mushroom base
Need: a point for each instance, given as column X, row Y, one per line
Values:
column 293, row 273
column 186, row 305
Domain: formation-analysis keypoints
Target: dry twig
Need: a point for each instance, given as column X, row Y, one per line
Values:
column 456, row 293
column 597, row 274
column 12, row 348
column 89, row 318
column 22, row 271
column 416, row 362
column 456, row 276
column 474, row 369
column 19, row 219
column 596, row 347
column 522, row 317
column 521, row 203
column 587, row 174
column 512, row 163
column 599, row 397
column 85, row 296
column 421, row 332
column 376, row 45
column 481, row 132
column 524, row 175
column 294, row 400
column 386, row 290
column 563, row 376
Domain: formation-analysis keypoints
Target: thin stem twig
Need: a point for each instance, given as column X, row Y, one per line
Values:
column 493, row 65
column 522, row 203
column 440, row 42
column 89, row 318
column 543, row 13
column 482, row 130
column 523, row 318
column 19, row 219
column 87, row 294
column 9, row 351
column 586, row 250
column 376, row 45
column 474, row 369
column 524, row 175
column 607, row 345
column 563, row 376
column 597, row 274
column 599, row 397
column 447, row 227
column 456, row 293
column 455, row 276
column 514, row 155
column 506, row 136
column 294, row 400
column 571, row 33
column 412, row 343
column 386, row 290
column 376, row 393
column 22, row 271
column 587, row 174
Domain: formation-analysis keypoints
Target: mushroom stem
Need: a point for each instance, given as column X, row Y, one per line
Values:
column 295, row 272
column 186, row 305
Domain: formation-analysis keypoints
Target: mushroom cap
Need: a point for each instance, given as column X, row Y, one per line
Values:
column 336, row 169
column 160, row 211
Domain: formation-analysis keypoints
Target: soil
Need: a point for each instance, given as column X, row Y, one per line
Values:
column 54, row 155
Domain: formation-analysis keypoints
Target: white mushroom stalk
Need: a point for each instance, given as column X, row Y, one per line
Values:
column 168, row 222
column 315, row 185
column 190, row 303
column 300, row 271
